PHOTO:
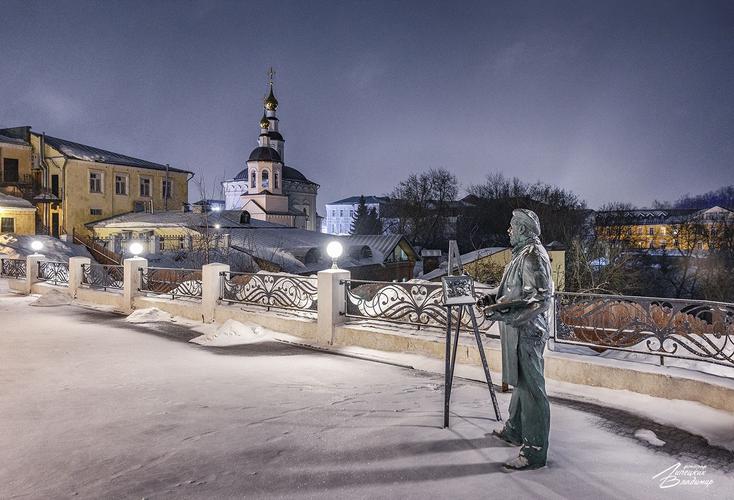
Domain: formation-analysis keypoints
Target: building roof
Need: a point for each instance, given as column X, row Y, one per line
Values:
column 8, row 201
column 79, row 151
column 466, row 258
column 289, row 174
column 642, row 216
column 264, row 153
column 209, row 202
column 371, row 199
column 293, row 250
column 276, row 136
column 13, row 140
column 225, row 218
column 383, row 243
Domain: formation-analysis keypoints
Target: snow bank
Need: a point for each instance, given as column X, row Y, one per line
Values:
column 650, row 359
column 149, row 315
column 649, row 437
column 231, row 333
column 16, row 246
column 52, row 298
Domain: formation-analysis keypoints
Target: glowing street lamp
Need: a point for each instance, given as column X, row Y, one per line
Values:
column 334, row 250
column 217, row 226
column 36, row 246
column 135, row 248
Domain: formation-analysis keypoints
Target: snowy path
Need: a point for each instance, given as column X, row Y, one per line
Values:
column 94, row 407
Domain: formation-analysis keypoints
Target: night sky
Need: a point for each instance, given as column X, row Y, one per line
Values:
column 616, row 101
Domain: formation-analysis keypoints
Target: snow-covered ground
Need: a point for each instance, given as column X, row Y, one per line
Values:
column 93, row 406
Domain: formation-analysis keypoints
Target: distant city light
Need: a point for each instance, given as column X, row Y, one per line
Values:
column 334, row 250
column 36, row 245
column 135, row 248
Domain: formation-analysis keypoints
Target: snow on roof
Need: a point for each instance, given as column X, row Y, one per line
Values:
column 79, row 151
column 16, row 246
column 13, row 140
column 8, row 201
column 371, row 199
column 466, row 258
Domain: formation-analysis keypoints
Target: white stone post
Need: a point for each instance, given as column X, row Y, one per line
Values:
column 31, row 270
column 131, row 276
column 210, row 286
column 76, row 273
column 331, row 305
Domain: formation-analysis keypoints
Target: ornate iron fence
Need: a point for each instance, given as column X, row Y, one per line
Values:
column 102, row 276
column 270, row 290
column 685, row 329
column 414, row 303
column 176, row 282
column 56, row 273
column 13, row 268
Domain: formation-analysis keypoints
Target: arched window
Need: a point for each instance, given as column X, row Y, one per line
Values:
column 265, row 179
column 245, row 217
column 253, row 179
column 275, row 180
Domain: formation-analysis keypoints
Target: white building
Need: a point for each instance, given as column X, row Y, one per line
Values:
column 267, row 188
column 340, row 214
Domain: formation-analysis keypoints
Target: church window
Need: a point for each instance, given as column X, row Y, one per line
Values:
column 265, row 179
column 253, row 179
column 275, row 180
column 245, row 217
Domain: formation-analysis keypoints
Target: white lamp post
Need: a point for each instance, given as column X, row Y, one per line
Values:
column 135, row 248
column 334, row 250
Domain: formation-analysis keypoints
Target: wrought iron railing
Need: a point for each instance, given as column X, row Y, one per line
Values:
column 56, row 273
column 176, row 282
column 102, row 276
column 270, row 290
column 13, row 268
column 675, row 328
column 414, row 303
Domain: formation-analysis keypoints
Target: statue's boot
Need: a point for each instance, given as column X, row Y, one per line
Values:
column 505, row 437
column 521, row 462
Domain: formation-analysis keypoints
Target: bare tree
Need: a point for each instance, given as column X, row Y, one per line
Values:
column 422, row 203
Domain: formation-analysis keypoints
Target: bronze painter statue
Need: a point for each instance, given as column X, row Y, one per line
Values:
column 520, row 303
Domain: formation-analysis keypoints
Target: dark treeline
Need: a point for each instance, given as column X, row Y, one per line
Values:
column 425, row 208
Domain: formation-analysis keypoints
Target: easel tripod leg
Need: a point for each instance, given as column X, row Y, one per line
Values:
column 447, row 372
column 483, row 356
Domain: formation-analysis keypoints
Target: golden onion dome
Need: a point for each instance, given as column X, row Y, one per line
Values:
column 264, row 122
column 271, row 103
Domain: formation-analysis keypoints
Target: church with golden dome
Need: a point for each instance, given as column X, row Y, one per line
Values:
column 267, row 188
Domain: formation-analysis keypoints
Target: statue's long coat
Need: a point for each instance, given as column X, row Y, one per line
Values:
column 528, row 278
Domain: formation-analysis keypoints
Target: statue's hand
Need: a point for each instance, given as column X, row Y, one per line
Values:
column 486, row 300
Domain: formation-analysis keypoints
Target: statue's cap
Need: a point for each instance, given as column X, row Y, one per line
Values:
column 528, row 219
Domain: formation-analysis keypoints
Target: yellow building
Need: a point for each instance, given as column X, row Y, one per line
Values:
column 72, row 184
column 17, row 184
column 17, row 215
column 680, row 229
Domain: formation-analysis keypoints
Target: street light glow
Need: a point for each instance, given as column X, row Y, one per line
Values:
column 135, row 248
column 36, row 245
column 334, row 250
